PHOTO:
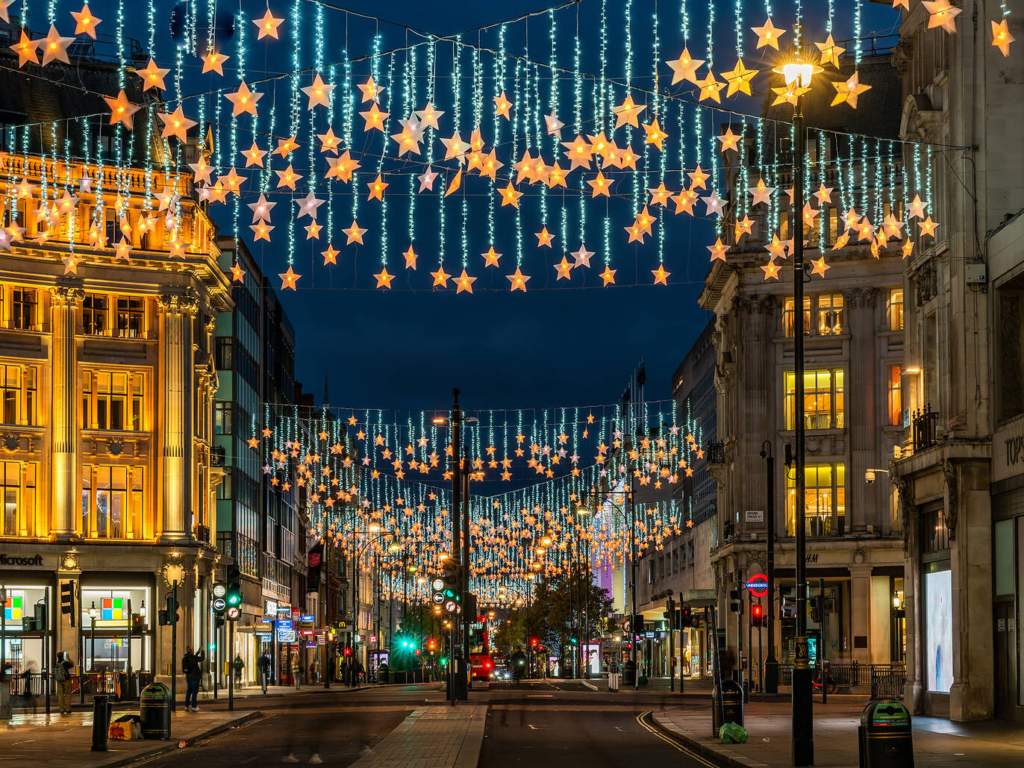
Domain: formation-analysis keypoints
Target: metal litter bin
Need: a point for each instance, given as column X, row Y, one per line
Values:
column 731, row 709
column 155, row 711
column 884, row 736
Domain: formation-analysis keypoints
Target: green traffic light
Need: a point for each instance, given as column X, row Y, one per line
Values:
column 234, row 599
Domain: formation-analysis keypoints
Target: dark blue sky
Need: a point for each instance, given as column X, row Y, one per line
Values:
column 405, row 349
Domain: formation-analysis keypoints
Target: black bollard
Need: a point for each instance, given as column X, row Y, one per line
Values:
column 100, row 722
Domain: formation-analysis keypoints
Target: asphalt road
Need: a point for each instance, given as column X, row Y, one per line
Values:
column 536, row 724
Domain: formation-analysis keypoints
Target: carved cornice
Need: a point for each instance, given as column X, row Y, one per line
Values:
column 861, row 297
column 185, row 303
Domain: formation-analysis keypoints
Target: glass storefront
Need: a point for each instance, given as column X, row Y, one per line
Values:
column 116, row 625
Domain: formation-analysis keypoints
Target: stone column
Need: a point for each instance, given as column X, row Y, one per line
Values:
column 860, row 611
column 176, row 437
column 861, row 400
column 64, row 499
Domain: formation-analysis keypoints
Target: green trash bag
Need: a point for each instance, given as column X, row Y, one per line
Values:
column 730, row 733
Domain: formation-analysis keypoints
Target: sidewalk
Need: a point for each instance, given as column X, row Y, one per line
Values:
column 937, row 742
column 66, row 741
column 432, row 737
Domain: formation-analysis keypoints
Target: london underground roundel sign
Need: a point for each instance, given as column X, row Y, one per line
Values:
column 758, row 584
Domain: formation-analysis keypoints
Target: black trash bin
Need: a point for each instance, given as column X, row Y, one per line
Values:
column 731, row 697
column 629, row 673
column 155, row 711
column 884, row 736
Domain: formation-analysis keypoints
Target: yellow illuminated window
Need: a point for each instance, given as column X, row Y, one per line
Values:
column 113, row 400
column 894, row 309
column 789, row 320
column 895, row 387
column 830, row 314
column 112, row 502
column 18, row 394
column 18, row 488
column 824, row 501
column 824, row 404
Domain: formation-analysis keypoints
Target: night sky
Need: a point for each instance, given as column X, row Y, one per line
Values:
column 404, row 349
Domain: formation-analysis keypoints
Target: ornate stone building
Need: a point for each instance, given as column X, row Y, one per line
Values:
column 107, row 310
column 960, row 490
column 853, row 409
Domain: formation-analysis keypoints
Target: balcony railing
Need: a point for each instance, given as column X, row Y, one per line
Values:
column 923, row 428
column 714, row 452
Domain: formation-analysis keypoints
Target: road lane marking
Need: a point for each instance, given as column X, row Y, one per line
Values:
column 655, row 731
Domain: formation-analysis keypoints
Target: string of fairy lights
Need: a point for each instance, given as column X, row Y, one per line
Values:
column 509, row 85
column 378, row 483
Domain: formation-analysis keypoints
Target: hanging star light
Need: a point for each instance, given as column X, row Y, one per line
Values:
column 608, row 275
column 152, row 76
column 654, row 134
column 600, row 185
column 830, row 52
column 718, row 250
column 237, row 273
column 659, row 195
column 176, row 124
column 370, row 90
column 544, row 238
column 710, row 88
column 768, row 35
column 744, row 226
column 426, row 180
column 286, row 146
column 771, row 271
column 289, row 279
column 738, row 78
column 553, row 125
column 429, row 116
column 410, row 258
column 510, row 196
column 121, row 110
column 491, row 258
column 268, row 25
column 261, row 230
column 942, row 14
column 287, row 178
column 4, row 5
column 261, row 209
column 383, row 278
column 330, row 255
column 319, row 93
column 71, row 262
column 374, row 118
column 85, row 22
column 440, row 277
column 214, row 62
column 579, row 151
column 308, row 205
column 518, row 280
column 1001, row 37
column 685, row 68
column 243, row 100
column 762, row 193
column 313, row 231
column 660, row 275
column 341, row 168
column 563, row 269
column 788, row 94
column 27, row 50
column 377, row 187
column 685, row 201
column 355, row 235
column 820, row 267
column 823, row 195
column 713, row 202
column 464, row 282
column 628, row 112
column 848, row 91
column 729, row 140
column 503, row 105
column 927, row 227
column 55, row 47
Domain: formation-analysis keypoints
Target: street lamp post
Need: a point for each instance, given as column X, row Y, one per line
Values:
column 771, row 664
column 798, row 74
column 92, row 636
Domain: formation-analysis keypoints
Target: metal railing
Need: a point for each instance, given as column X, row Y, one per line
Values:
column 885, row 681
column 923, row 428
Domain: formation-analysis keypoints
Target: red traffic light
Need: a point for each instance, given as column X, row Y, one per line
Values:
column 348, row 651
column 756, row 611
column 533, row 641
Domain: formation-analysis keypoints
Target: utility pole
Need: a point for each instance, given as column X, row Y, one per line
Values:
column 671, row 644
column 174, row 645
column 771, row 664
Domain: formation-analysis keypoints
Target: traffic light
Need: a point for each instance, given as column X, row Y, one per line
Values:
column 638, row 623
column 817, row 609
column 756, row 615
column 451, row 574
column 233, row 593
column 734, row 601
column 686, row 619
column 138, row 624
column 533, row 642
column 172, row 609
column 431, row 644
column 67, row 600
column 348, row 651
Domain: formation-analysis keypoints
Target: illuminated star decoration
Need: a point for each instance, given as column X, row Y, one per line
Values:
column 739, row 78
column 491, row 258
column 848, row 91
column 464, row 282
column 762, row 193
column 237, row 273
column 152, row 76
column 319, row 92
column 518, row 280
column 330, row 255
column 941, row 14
column 830, row 52
column 55, row 47
column 355, row 234
column 1001, row 37
column 85, row 22
column 71, row 263
column 383, row 278
column 176, row 124
column 27, row 49
column 427, row 179
column 728, row 140
column 289, row 279
column 214, row 62
column 503, row 105
column 660, row 275
column 4, row 5
column 768, row 35
column 771, row 271
column 627, row 112
column 243, row 100
column 410, row 258
column 121, row 110
column 820, row 267
column 440, row 277
column 685, row 68
column 718, row 250
column 268, row 25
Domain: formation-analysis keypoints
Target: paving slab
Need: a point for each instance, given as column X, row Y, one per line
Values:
column 432, row 737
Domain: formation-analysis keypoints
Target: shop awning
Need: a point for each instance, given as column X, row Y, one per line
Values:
column 699, row 598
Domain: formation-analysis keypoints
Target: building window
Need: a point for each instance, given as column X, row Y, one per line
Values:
column 131, row 317
column 830, row 314
column 894, row 309
column 824, row 502
column 934, row 533
column 895, row 386
column 18, row 486
column 113, row 502
column 23, row 308
column 113, row 400
column 823, row 400
column 18, row 391
column 222, row 417
column 832, row 228
column 94, row 314
column 789, row 319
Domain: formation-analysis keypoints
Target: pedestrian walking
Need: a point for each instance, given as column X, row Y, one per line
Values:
column 192, row 666
column 296, row 670
column 62, row 674
column 263, row 665
column 239, row 665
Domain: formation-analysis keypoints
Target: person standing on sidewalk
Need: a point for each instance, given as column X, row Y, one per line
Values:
column 62, row 674
column 263, row 665
column 192, row 666
column 239, row 665
column 296, row 670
